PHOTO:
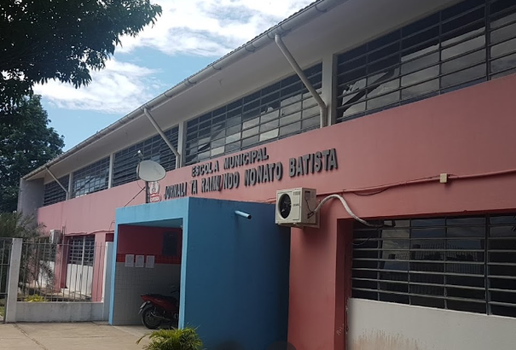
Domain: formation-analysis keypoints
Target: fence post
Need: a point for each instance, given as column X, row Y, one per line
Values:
column 13, row 280
column 108, row 271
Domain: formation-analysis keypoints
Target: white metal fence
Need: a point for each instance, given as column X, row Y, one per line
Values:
column 62, row 272
column 5, row 256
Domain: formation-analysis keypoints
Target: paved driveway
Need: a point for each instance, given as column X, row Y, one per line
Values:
column 70, row 336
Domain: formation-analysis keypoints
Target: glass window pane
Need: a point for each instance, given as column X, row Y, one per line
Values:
column 249, row 132
column 501, row 270
column 461, row 48
column 420, row 76
column 250, row 123
column 500, row 310
column 466, row 306
column 503, row 48
column 503, row 33
column 503, row 283
column 232, row 138
column 420, row 89
column 504, row 63
column 385, row 87
column 310, row 123
column 429, row 302
column 463, row 76
column 288, row 119
column 269, row 126
column 465, row 268
column 384, row 100
column 420, row 63
column 351, row 110
column 463, row 61
column 426, row 290
column 250, row 141
column 290, row 129
column 427, row 278
column 365, row 294
column 269, row 135
column 269, row 116
column 394, row 298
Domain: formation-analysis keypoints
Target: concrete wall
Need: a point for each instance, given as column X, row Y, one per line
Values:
column 59, row 312
column 235, row 274
column 131, row 282
column 30, row 196
column 388, row 326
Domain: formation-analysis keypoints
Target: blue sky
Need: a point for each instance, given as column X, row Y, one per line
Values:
column 188, row 36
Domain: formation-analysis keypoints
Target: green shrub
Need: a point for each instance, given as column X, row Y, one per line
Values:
column 34, row 298
column 173, row 339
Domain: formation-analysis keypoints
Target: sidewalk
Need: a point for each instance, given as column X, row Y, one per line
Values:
column 70, row 336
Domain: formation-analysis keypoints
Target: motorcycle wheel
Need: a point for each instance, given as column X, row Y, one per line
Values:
column 148, row 319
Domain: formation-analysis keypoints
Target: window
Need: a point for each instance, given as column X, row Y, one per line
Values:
column 92, row 178
column 81, row 250
column 465, row 263
column 55, row 193
column 277, row 111
column 153, row 148
column 465, row 44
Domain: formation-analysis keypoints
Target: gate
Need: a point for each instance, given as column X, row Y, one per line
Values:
column 5, row 258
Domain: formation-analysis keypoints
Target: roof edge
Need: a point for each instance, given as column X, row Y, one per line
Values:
column 294, row 21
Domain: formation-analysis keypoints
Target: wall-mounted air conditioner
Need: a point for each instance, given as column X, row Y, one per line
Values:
column 296, row 207
column 56, row 236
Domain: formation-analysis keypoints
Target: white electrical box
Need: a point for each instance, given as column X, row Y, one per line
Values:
column 296, row 207
column 55, row 236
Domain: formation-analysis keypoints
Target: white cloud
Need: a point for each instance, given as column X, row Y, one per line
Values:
column 208, row 28
column 119, row 88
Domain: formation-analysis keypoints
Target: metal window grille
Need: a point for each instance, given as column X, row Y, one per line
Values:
column 54, row 193
column 82, row 250
column 154, row 148
column 91, row 178
column 465, row 264
column 277, row 111
column 465, row 44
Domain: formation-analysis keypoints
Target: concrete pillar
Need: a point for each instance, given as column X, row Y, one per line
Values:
column 108, row 273
column 30, row 196
column 181, row 139
column 12, row 281
column 329, row 85
column 110, row 175
column 70, row 187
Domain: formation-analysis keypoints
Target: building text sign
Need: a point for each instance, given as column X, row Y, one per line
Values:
column 216, row 176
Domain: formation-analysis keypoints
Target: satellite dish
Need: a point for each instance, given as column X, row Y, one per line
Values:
column 149, row 170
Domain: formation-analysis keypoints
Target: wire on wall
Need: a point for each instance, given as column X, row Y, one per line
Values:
column 346, row 206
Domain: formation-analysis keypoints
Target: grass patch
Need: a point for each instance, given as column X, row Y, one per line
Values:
column 2, row 311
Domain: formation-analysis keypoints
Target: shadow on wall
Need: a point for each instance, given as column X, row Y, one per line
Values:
column 381, row 340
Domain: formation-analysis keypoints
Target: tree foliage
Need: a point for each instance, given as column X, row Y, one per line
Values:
column 62, row 39
column 17, row 225
column 25, row 144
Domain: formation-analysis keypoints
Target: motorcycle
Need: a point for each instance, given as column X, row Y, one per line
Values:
column 157, row 309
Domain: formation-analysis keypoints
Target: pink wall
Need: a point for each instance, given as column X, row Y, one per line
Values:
column 464, row 133
column 145, row 241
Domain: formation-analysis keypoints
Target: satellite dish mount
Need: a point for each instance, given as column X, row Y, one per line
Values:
column 149, row 171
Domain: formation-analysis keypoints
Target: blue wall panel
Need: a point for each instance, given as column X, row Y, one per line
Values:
column 164, row 214
column 234, row 271
column 236, row 280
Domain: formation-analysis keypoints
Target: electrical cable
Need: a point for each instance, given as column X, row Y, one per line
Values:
column 140, row 191
column 346, row 206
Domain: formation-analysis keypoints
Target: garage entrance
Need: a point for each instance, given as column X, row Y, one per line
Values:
column 232, row 271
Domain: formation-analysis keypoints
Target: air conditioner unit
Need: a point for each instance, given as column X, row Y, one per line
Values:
column 295, row 207
column 55, row 236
